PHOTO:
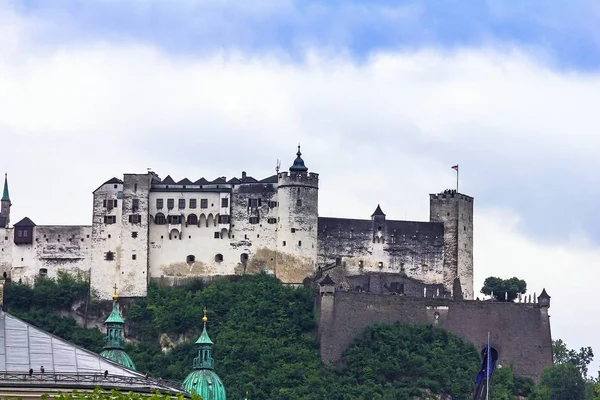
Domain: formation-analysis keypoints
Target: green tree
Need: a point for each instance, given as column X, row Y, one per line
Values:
column 99, row 394
column 560, row 382
column 500, row 288
column 581, row 359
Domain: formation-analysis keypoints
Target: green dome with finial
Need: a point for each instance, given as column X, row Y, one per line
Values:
column 113, row 347
column 298, row 163
column 203, row 380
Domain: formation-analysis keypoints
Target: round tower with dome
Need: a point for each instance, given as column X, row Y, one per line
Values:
column 113, row 349
column 203, row 380
column 298, row 215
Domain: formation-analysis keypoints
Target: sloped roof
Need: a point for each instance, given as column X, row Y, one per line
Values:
column 185, row 181
column 219, row 180
column 168, row 181
column 234, row 181
column 270, row 179
column 378, row 212
column 201, row 181
column 327, row 281
column 25, row 222
column 249, row 179
column 23, row 346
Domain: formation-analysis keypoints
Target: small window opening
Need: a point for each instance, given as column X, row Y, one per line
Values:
column 299, row 243
column 133, row 256
column 133, row 234
column 43, row 272
column 109, row 256
column 190, row 259
column 219, row 258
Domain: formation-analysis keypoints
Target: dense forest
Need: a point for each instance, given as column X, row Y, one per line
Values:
column 265, row 344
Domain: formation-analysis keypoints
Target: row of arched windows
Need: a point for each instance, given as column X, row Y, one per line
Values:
column 190, row 259
column 192, row 219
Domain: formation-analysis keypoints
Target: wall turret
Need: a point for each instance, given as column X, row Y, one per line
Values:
column 297, row 192
column 5, row 205
column 455, row 211
column 113, row 348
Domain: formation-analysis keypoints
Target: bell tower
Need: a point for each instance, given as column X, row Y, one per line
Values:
column 5, row 205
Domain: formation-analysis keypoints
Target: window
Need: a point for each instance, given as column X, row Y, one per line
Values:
column 299, row 243
column 244, row 258
column 284, row 242
column 225, row 202
column 219, row 258
column 135, row 218
column 203, row 203
column 25, row 233
column 135, row 204
column 181, row 204
column 174, row 219
column 170, row 204
column 299, row 202
column 133, row 257
column 223, row 219
column 192, row 219
column 190, row 259
column 361, row 264
column 43, row 272
column 380, row 264
column 159, row 219
column 293, row 230
column 253, row 220
column 253, row 203
column 109, row 256
column 20, row 233
column 217, row 235
column 272, row 220
column 159, row 203
column 133, row 234
column 193, row 203
column 110, row 219
column 272, row 204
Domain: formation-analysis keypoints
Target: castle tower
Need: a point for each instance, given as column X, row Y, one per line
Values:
column 203, row 380
column 297, row 192
column 113, row 349
column 5, row 205
column 455, row 211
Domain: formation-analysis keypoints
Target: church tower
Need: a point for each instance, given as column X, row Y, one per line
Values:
column 5, row 205
column 203, row 380
column 298, row 214
column 113, row 349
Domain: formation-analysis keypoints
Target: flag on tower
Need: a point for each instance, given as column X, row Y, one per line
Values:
column 455, row 167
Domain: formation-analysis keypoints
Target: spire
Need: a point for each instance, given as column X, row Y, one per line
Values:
column 298, row 163
column 378, row 212
column 204, row 359
column 5, row 196
column 113, row 347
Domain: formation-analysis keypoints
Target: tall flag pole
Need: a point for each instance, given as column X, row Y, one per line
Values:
column 487, row 367
column 455, row 167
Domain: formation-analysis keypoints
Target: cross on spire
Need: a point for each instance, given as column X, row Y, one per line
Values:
column 115, row 295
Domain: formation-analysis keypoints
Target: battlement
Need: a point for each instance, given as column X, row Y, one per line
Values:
column 298, row 178
column 449, row 195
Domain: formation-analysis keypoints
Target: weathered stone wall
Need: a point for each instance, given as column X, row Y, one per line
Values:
column 455, row 211
column 298, row 194
column 519, row 332
column 54, row 249
column 412, row 249
column 6, row 246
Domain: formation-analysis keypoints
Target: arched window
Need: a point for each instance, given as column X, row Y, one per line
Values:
column 210, row 220
column 159, row 219
column 43, row 272
column 244, row 258
column 190, row 259
column 192, row 219
column 219, row 258
column 202, row 222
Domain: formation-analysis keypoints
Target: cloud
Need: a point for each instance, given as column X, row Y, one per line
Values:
column 384, row 129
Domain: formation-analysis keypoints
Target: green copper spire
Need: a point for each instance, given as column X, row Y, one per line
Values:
column 203, row 380
column 113, row 349
column 5, row 196
column 298, row 163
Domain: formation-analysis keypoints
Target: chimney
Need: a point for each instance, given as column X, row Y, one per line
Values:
column 243, row 175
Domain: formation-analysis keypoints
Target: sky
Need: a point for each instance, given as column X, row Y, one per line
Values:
column 383, row 96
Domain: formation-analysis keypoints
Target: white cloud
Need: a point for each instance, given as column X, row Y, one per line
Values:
column 73, row 117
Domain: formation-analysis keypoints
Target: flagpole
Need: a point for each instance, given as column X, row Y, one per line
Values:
column 487, row 367
column 457, row 179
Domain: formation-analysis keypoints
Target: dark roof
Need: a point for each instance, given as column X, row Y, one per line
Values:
column 431, row 229
column 219, row 180
column 185, row 181
column 378, row 212
column 298, row 163
column 201, row 181
column 249, row 179
column 112, row 181
column 168, row 181
column 327, row 281
column 271, row 179
column 25, row 222
column 234, row 181
column 544, row 294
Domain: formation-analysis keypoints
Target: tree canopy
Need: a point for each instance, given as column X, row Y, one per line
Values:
column 501, row 288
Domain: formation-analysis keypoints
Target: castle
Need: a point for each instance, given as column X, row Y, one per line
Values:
column 145, row 228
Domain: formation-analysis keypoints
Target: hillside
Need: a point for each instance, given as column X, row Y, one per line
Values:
column 264, row 336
